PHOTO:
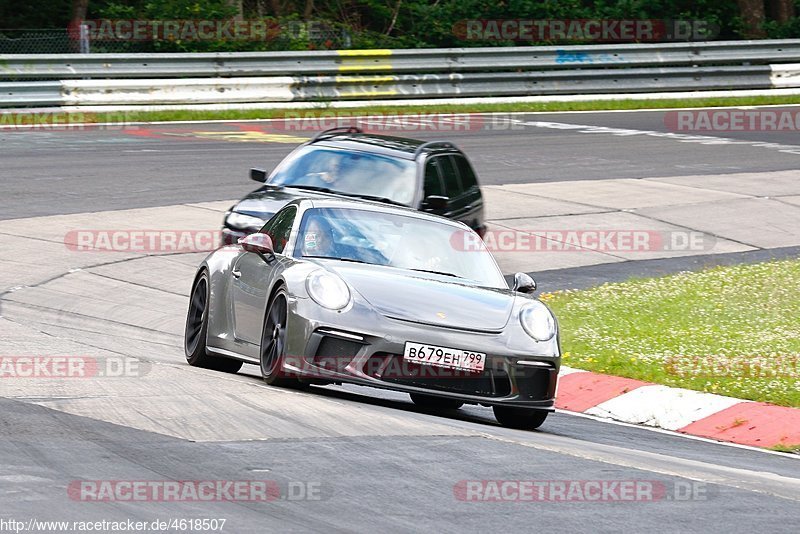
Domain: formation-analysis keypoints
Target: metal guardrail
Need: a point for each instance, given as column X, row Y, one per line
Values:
column 31, row 94
column 445, row 60
column 596, row 81
column 124, row 79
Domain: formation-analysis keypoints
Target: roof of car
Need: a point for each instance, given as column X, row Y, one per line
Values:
column 400, row 147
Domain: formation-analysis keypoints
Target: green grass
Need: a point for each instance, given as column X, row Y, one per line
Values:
column 786, row 448
column 729, row 330
column 196, row 115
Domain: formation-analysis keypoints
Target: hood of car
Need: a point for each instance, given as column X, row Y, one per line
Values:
column 265, row 202
column 428, row 298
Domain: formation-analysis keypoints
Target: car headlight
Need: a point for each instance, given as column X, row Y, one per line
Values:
column 328, row 290
column 537, row 321
column 242, row 221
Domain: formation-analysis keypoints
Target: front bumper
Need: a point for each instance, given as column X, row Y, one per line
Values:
column 518, row 372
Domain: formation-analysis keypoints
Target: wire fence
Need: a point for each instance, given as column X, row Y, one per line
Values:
column 66, row 41
column 37, row 42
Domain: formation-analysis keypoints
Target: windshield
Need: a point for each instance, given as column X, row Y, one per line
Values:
column 398, row 241
column 356, row 173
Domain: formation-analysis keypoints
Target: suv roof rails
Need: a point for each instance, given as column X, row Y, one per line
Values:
column 330, row 132
column 432, row 144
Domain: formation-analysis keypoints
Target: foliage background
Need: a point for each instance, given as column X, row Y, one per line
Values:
column 392, row 23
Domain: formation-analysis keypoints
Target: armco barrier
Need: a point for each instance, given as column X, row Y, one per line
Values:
column 440, row 61
column 135, row 79
column 31, row 94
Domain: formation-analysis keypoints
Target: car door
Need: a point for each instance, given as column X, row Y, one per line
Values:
column 449, row 185
column 252, row 278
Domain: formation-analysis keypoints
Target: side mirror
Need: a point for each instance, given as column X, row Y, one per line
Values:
column 524, row 283
column 435, row 203
column 260, row 244
column 259, row 175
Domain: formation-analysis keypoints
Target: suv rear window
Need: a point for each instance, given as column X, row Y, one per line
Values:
column 452, row 186
column 433, row 184
column 466, row 173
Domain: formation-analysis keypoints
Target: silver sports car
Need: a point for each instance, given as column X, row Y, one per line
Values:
column 342, row 291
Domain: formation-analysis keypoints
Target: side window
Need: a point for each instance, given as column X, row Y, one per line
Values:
column 433, row 184
column 452, row 187
column 279, row 227
column 304, row 161
column 465, row 172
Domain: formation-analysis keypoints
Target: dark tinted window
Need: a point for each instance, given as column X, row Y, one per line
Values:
column 465, row 172
column 433, row 184
column 279, row 227
column 452, row 187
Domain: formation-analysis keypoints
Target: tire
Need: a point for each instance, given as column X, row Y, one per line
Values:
column 194, row 337
column 273, row 343
column 522, row 418
column 435, row 403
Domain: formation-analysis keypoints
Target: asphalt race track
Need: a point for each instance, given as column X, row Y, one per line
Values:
column 355, row 459
column 144, row 166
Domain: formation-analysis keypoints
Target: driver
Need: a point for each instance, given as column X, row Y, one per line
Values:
column 328, row 171
column 333, row 173
column 318, row 238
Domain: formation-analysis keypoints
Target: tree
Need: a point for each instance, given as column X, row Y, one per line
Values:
column 276, row 7
column 238, row 5
column 79, row 9
column 752, row 13
column 782, row 10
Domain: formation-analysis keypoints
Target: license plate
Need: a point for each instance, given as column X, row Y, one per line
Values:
column 444, row 357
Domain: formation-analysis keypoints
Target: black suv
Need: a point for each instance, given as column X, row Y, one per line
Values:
column 435, row 177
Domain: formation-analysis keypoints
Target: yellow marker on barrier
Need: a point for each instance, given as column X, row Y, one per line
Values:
column 365, row 79
column 373, row 52
column 355, row 86
column 365, row 60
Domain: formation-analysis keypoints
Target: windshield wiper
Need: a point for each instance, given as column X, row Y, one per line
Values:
column 436, row 272
column 344, row 194
column 352, row 260
column 372, row 197
column 312, row 188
